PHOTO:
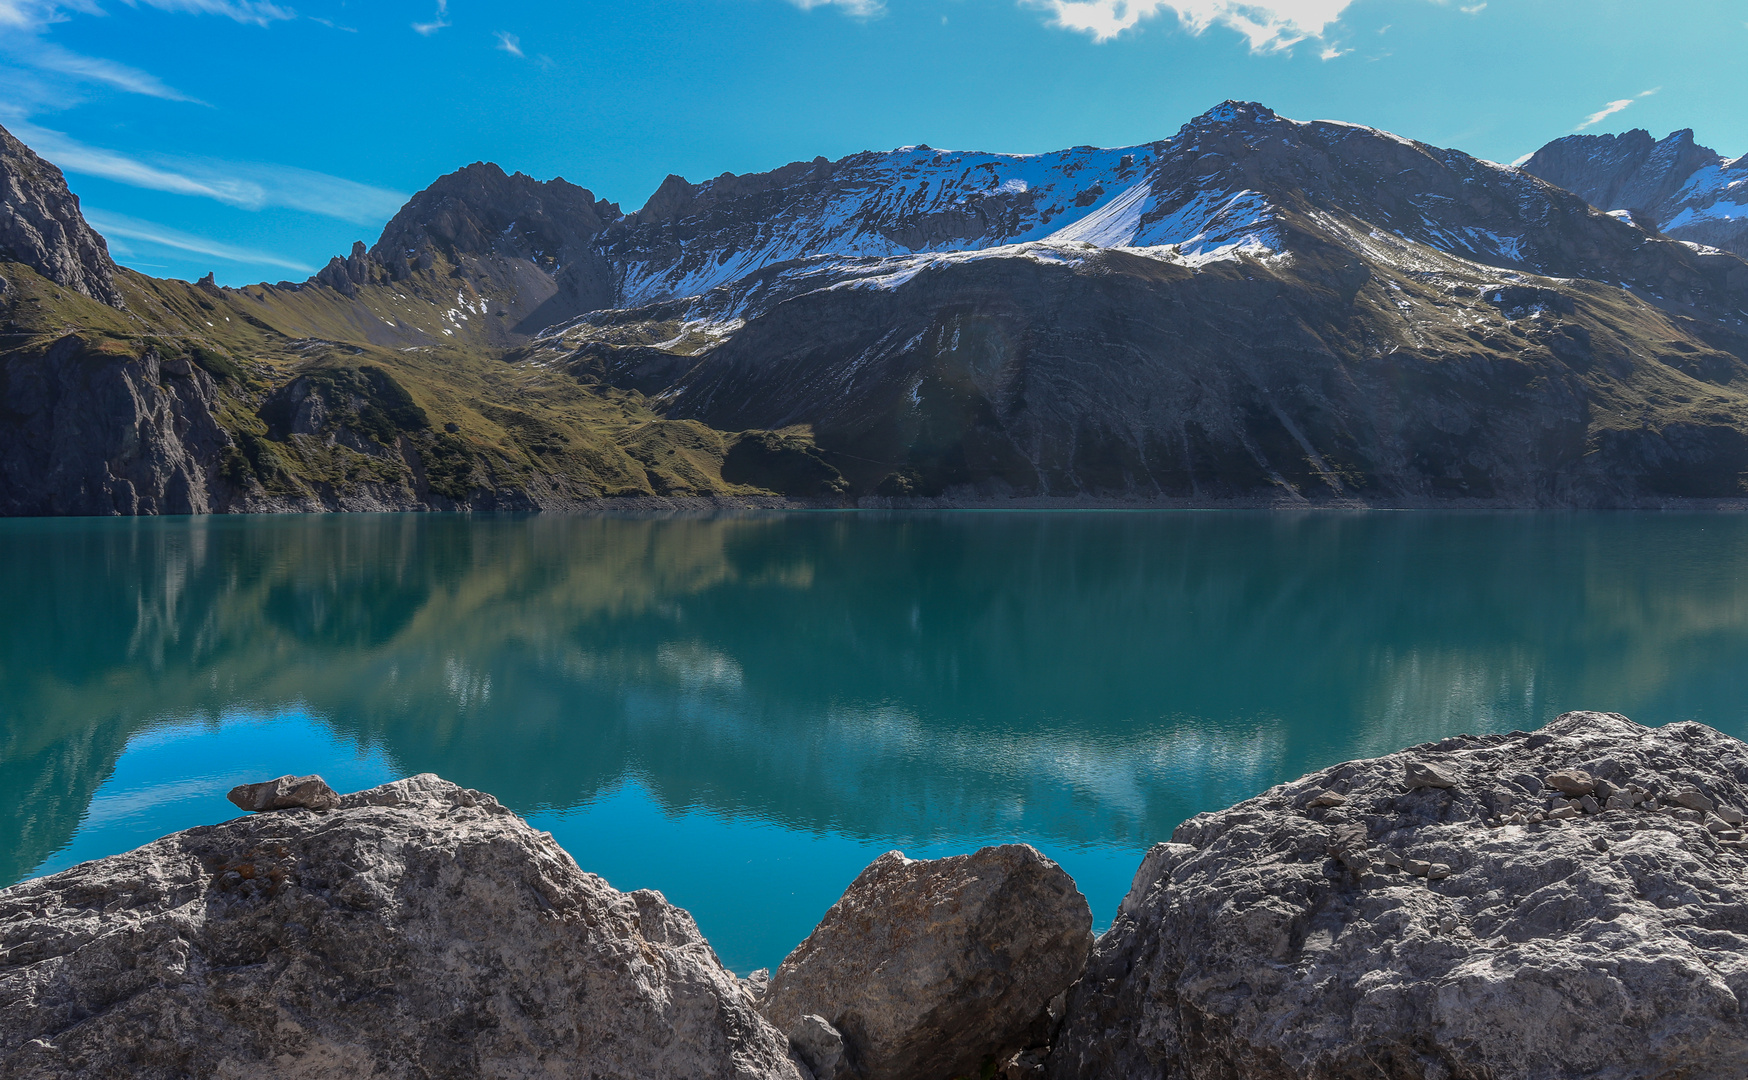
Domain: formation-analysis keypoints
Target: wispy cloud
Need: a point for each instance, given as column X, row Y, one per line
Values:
column 861, row 9
column 510, row 43
column 31, row 14
column 1611, row 108
column 248, row 185
column 1269, row 26
column 47, row 56
column 23, row 24
column 35, row 14
column 127, row 228
column 259, row 12
column 438, row 21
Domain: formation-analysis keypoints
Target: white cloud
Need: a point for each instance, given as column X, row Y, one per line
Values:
column 259, row 12
column 438, row 21
column 509, row 43
column 50, row 57
column 23, row 24
column 35, row 14
column 32, row 14
column 1330, row 52
column 248, row 185
column 1604, row 113
column 1613, row 107
column 120, row 225
column 861, row 9
column 1269, row 26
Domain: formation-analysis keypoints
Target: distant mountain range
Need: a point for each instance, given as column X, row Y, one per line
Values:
column 1255, row 311
column 1676, row 187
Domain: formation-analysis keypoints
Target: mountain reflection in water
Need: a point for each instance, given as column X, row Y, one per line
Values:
column 1085, row 680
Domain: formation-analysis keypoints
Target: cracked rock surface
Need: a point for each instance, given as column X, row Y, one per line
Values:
column 419, row 930
column 1496, row 929
column 928, row 968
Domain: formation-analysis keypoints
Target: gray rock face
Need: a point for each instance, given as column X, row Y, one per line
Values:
column 1688, row 191
column 89, row 432
column 41, row 226
column 285, row 793
column 420, row 930
column 1563, row 943
column 926, row 968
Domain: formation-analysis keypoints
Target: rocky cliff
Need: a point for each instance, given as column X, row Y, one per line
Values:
column 41, row 226
column 1256, row 311
column 1674, row 185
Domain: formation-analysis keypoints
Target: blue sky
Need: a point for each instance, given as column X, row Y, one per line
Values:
column 255, row 138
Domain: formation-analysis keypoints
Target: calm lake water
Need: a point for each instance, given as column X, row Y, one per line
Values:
column 743, row 711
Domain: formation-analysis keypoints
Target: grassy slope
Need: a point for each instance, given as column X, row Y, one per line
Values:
column 487, row 425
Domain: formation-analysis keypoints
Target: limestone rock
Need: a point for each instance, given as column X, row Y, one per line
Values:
column 1421, row 774
column 928, row 968
column 821, row 1046
column 42, row 226
column 1572, row 782
column 285, row 793
column 1693, row 799
column 1612, row 945
column 419, row 930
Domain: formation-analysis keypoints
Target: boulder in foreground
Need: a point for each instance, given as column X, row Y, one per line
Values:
column 926, row 969
column 1495, row 928
column 419, row 930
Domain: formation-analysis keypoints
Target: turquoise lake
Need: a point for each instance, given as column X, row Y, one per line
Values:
column 742, row 711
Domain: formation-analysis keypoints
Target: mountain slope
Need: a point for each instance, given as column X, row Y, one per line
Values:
column 178, row 398
column 1256, row 310
column 1685, row 190
column 1271, row 309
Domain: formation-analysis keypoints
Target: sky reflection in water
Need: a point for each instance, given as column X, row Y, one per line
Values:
column 742, row 711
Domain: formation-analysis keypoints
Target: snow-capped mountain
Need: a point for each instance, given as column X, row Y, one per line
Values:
column 1239, row 305
column 1255, row 308
column 1673, row 185
column 1239, row 179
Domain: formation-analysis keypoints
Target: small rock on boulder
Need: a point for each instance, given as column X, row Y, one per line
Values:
column 1610, row 944
column 420, row 930
column 1424, row 774
column 286, row 793
column 928, row 969
column 1575, row 783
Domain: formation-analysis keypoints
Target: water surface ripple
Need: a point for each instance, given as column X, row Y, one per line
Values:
column 741, row 711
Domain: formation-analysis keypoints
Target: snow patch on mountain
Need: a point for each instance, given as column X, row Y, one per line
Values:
column 908, row 201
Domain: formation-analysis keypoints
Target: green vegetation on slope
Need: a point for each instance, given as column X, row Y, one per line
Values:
column 320, row 411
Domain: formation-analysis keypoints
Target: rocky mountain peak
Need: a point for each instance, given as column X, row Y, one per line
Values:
column 1234, row 113
column 481, row 210
column 1631, row 171
column 1672, row 185
column 42, row 227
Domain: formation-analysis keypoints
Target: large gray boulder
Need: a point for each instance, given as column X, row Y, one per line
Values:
column 926, row 969
column 418, row 930
column 1574, row 905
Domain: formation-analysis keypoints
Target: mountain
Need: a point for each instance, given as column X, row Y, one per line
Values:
column 1262, row 308
column 1256, row 310
column 1685, row 190
column 41, row 226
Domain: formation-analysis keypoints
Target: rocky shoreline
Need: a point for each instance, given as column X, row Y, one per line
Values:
column 1554, row 905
